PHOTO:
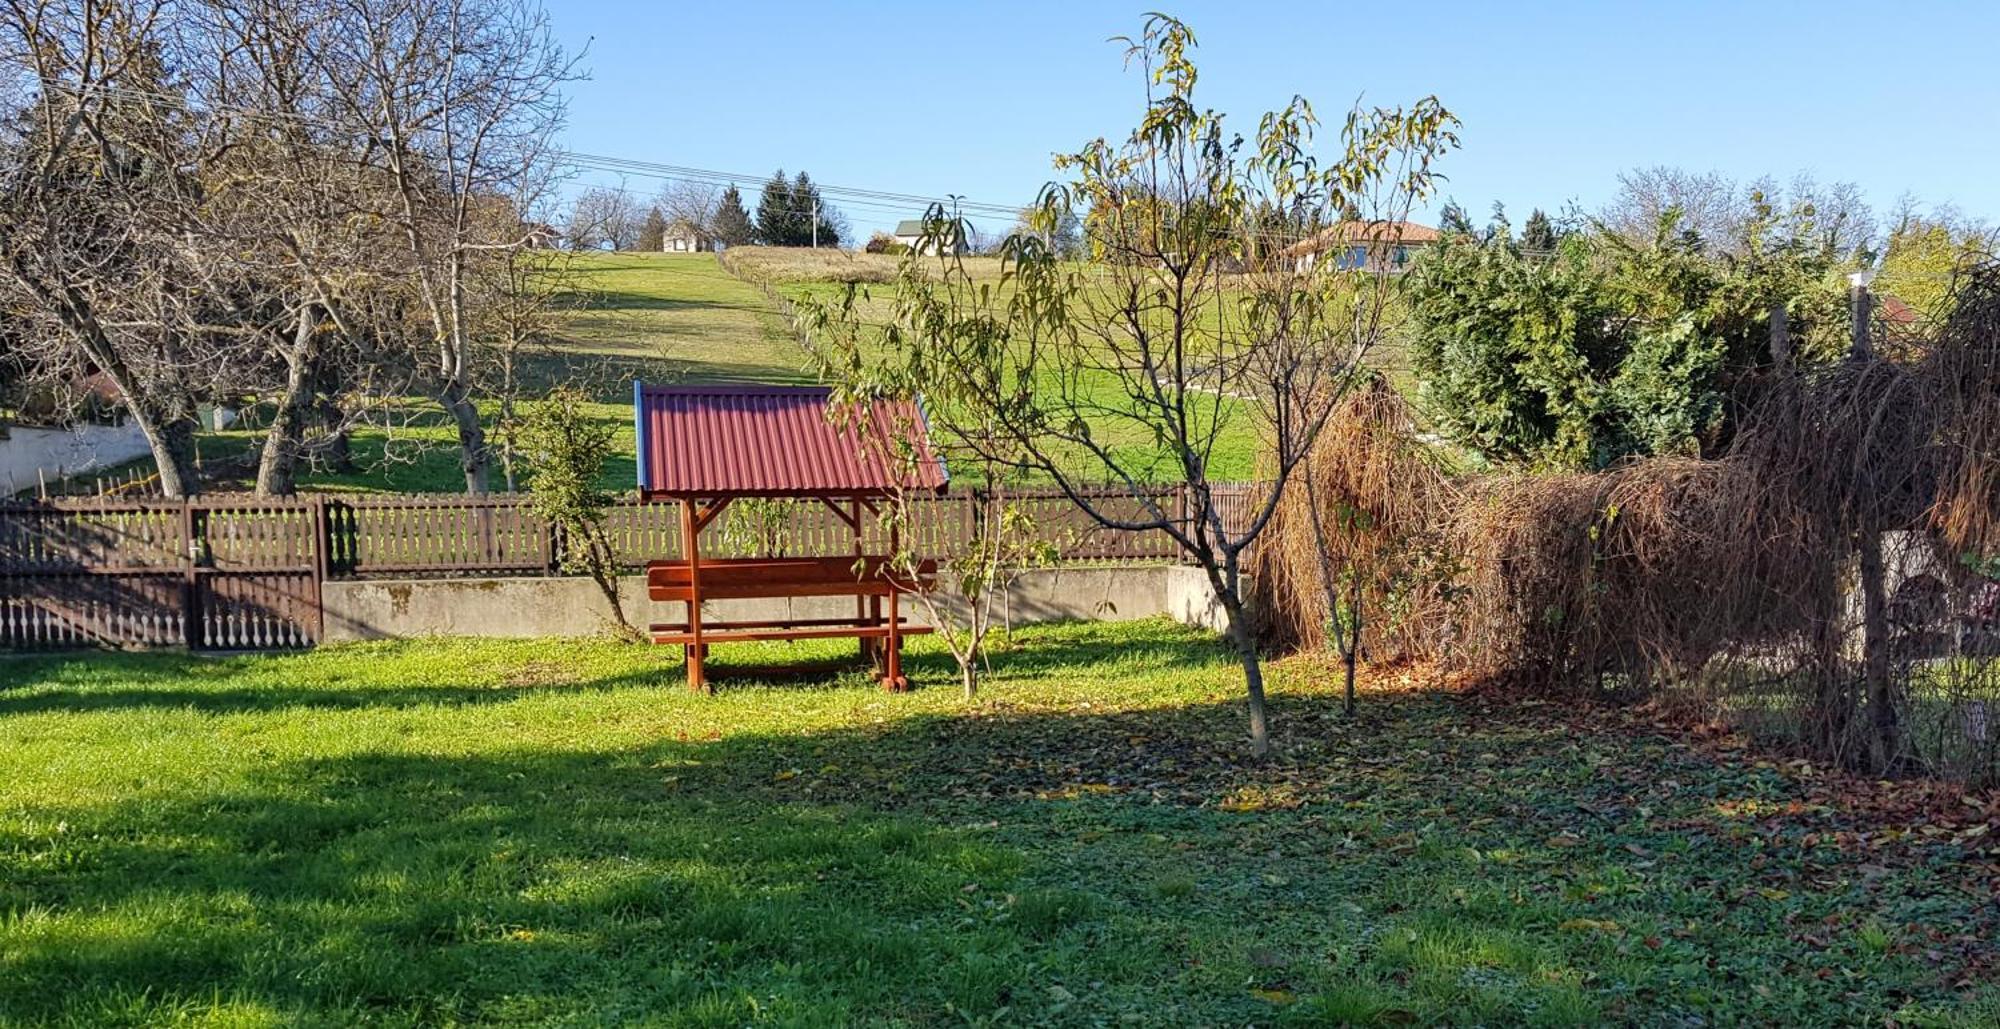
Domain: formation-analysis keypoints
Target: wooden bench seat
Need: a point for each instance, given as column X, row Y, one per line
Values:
column 750, row 578
column 864, row 578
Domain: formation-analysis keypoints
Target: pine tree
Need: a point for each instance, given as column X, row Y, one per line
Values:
column 776, row 226
column 1538, row 236
column 732, row 223
column 814, row 213
column 653, row 231
column 1453, row 220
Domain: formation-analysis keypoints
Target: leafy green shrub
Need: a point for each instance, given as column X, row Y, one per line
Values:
column 1608, row 347
column 567, row 449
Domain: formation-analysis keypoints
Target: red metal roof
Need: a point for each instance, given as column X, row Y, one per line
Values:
column 757, row 440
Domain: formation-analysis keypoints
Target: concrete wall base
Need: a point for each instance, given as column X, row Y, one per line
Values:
column 538, row 607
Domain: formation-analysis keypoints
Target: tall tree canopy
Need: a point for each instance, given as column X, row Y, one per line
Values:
column 731, row 224
column 1538, row 235
column 791, row 213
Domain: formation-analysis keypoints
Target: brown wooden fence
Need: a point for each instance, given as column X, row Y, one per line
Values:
column 239, row 573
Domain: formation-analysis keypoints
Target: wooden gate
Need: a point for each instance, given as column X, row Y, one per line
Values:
column 207, row 574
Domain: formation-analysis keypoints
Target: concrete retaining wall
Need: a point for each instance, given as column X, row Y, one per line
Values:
column 530, row 607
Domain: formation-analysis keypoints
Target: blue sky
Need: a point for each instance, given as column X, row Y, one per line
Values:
column 1556, row 99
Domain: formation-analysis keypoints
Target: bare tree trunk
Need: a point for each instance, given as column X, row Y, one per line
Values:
column 1352, row 651
column 335, row 448
column 171, row 440
column 473, row 458
column 277, row 467
column 604, row 572
column 1243, row 635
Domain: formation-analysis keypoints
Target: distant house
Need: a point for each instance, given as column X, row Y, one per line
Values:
column 540, row 235
column 685, row 237
column 910, row 233
column 1379, row 246
column 1892, row 311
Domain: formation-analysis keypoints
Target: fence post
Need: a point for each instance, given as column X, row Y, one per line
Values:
column 322, row 537
column 191, row 577
column 552, row 544
column 1180, row 520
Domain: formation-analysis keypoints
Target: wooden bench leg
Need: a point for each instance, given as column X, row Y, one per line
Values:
column 892, row 658
column 697, row 675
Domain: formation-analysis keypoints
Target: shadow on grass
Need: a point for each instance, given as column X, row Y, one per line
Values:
column 982, row 864
column 280, row 698
column 615, row 301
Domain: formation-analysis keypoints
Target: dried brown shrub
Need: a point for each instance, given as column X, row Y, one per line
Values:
column 1736, row 573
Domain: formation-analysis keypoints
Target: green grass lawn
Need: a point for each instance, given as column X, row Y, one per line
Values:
column 556, row 832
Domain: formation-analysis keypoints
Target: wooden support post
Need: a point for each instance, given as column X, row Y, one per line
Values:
column 892, row 672
column 861, row 609
column 191, row 607
column 691, row 549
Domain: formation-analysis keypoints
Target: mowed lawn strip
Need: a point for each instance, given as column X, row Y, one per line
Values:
column 556, row 832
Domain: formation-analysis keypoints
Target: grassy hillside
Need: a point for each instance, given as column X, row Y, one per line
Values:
column 826, row 275
column 679, row 317
column 655, row 317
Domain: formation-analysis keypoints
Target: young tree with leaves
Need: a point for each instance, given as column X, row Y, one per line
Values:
column 1166, row 340
column 566, row 450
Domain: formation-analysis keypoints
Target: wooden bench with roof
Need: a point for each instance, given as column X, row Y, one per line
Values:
column 705, row 446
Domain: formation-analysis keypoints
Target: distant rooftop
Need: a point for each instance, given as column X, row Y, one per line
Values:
column 1348, row 233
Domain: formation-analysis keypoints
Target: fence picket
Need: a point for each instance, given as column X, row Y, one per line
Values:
column 245, row 571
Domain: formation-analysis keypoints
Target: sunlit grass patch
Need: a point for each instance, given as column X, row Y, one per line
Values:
column 558, row 832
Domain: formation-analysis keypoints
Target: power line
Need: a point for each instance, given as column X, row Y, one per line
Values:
column 877, row 199
column 869, row 201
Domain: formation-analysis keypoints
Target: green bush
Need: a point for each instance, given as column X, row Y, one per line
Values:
column 1608, row 347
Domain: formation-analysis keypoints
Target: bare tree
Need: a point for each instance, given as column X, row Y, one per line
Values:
column 103, row 165
column 288, row 204
column 529, row 296
column 1723, row 211
column 604, row 219
column 460, row 102
column 690, row 203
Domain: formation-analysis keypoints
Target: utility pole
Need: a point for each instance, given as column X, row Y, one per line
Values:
column 1863, row 305
column 1781, row 337
column 1884, row 736
column 815, row 223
